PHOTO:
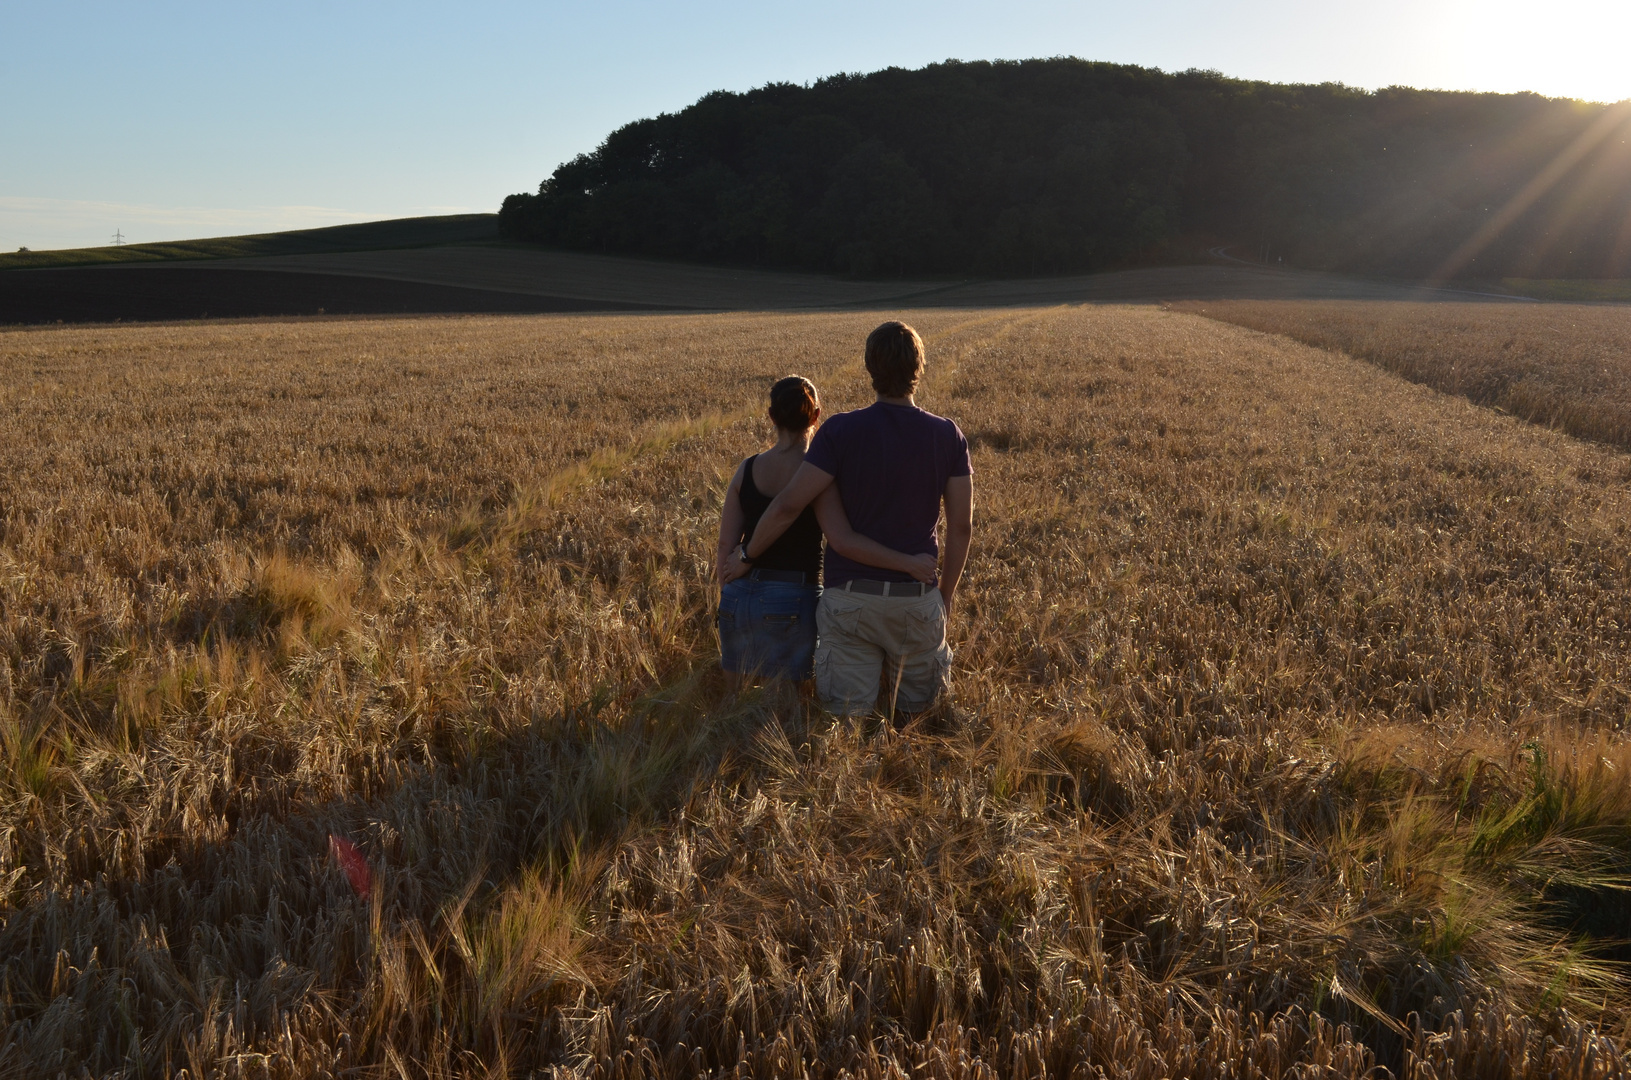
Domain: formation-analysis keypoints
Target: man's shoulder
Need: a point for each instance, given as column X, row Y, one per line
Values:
column 839, row 421
column 941, row 425
column 838, row 425
column 863, row 415
column 887, row 418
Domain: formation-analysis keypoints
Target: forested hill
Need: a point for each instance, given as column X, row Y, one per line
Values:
column 1046, row 166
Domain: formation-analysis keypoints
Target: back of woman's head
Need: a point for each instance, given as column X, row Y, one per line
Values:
column 794, row 404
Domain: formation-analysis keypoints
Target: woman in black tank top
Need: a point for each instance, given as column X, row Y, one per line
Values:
column 798, row 550
column 767, row 620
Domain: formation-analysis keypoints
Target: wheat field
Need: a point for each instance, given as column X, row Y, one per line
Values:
column 1286, row 733
column 1560, row 365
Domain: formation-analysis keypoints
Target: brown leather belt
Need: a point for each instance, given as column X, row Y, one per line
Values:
column 886, row 588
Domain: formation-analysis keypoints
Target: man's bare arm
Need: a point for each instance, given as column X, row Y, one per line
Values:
column 789, row 502
column 852, row 545
column 959, row 496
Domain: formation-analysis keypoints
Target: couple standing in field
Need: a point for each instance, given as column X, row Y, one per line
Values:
column 873, row 481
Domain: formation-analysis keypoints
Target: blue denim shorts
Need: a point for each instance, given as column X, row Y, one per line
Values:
column 768, row 628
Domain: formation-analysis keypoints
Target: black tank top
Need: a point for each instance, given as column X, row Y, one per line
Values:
column 799, row 548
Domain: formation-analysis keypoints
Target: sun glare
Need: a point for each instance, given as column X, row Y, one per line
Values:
column 1570, row 49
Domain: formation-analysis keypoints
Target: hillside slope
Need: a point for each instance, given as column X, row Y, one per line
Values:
column 364, row 236
column 1057, row 166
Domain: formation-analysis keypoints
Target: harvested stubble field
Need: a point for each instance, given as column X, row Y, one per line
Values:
column 1567, row 366
column 1286, row 733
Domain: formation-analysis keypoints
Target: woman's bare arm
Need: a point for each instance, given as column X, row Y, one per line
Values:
column 829, row 509
column 731, row 523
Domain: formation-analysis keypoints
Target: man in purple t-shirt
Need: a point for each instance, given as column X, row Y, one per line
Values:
column 894, row 465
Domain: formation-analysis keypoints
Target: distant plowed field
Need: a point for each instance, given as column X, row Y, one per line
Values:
column 670, row 284
column 511, row 278
column 158, row 292
column 539, row 271
column 1286, row 737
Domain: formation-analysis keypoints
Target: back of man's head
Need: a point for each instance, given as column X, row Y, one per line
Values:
column 894, row 359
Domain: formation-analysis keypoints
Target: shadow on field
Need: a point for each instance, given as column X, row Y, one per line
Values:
column 482, row 855
column 519, row 911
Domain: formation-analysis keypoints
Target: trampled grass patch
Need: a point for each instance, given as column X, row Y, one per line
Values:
column 1286, row 732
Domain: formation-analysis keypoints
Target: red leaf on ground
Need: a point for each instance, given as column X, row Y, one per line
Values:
column 355, row 866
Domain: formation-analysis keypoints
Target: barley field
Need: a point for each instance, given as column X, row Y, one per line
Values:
column 1286, row 736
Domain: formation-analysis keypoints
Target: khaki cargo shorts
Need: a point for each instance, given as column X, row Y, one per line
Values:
column 893, row 647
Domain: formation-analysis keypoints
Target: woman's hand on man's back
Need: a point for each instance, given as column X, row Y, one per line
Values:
column 926, row 568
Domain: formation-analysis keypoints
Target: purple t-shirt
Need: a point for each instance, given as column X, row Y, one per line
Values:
column 891, row 464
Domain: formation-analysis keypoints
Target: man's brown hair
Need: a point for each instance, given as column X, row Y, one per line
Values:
column 894, row 359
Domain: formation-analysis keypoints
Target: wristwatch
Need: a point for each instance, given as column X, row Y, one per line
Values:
column 742, row 553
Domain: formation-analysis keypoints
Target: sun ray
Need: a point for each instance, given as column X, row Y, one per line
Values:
column 1577, row 217
column 1605, row 125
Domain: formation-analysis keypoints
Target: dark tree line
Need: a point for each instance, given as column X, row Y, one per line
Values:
column 1047, row 166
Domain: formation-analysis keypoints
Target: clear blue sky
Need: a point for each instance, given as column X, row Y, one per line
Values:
column 172, row 120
